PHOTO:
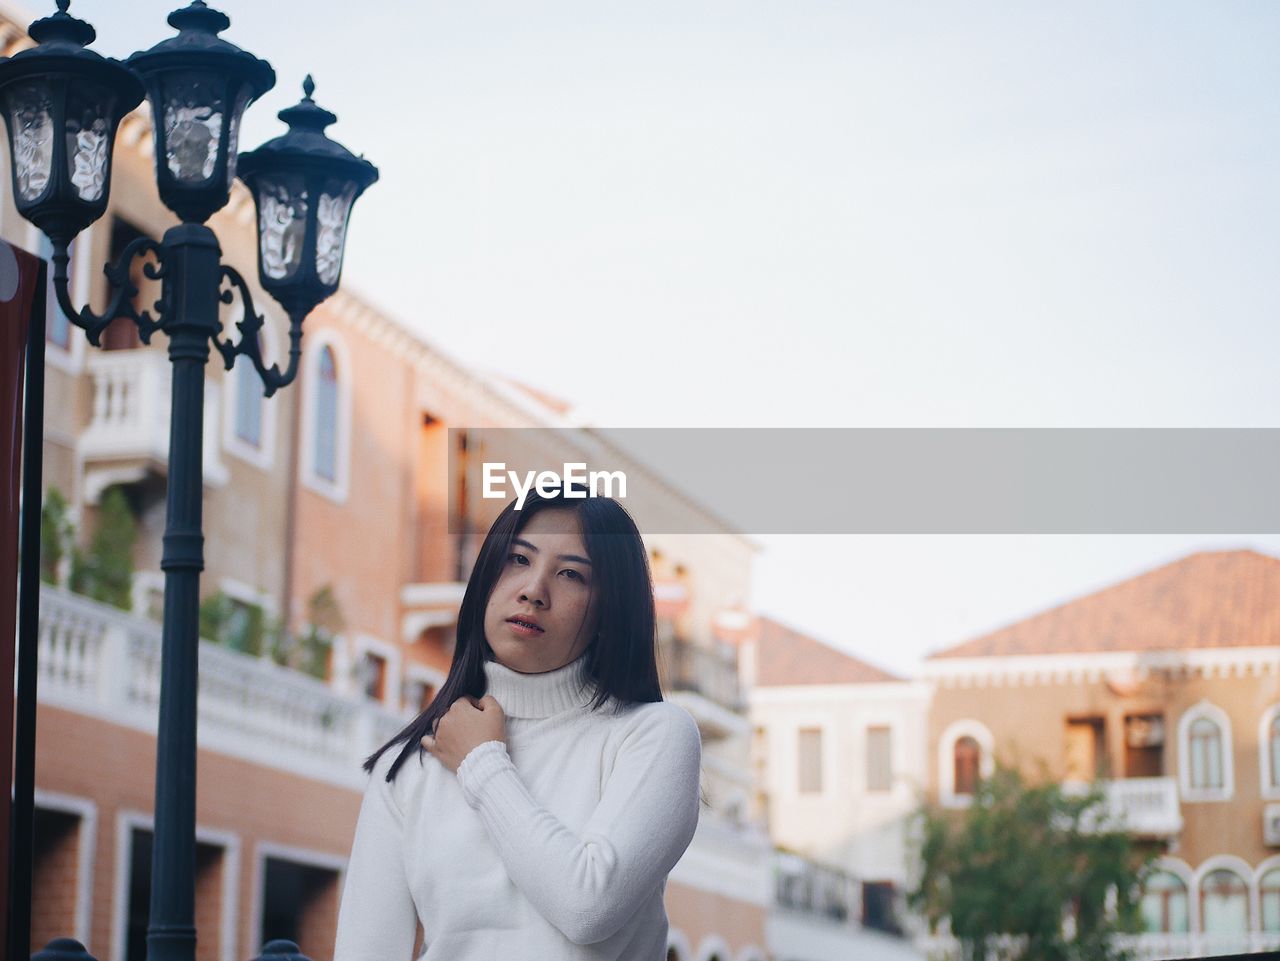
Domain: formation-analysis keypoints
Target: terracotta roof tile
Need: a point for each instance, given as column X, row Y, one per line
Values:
column 1210, row 599
column 784, row 656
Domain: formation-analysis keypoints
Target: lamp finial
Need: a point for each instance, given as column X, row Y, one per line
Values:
column 308, row 86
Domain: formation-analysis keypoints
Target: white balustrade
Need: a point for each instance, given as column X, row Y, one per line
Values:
column 1145, row 947
column 97, row 660
column 1146, row 805
column 131, row 398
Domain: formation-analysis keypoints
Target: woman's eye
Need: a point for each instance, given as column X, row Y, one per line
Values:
column 517, row 558
column 573, row 575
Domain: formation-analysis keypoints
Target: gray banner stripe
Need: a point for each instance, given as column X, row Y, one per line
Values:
column 908, row 481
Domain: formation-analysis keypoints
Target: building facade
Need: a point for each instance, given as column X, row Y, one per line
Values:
column 1165, row 689
column 839, row 762
column 339, row 535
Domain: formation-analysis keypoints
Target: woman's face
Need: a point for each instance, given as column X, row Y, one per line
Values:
column 542, row 613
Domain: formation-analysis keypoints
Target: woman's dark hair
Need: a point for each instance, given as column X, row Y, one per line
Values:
column 621, row 660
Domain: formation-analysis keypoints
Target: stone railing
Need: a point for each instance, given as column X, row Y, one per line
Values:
column 1145, row 947
column 130, row 404
column 815, row 889
column 128, row 429
column 1156, row 947
column 691, row 667
column 103, row 662
column 1147, row 806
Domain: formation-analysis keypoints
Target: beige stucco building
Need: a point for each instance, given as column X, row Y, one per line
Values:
column 1167, row 688
column 341, row 487
column 839, row 761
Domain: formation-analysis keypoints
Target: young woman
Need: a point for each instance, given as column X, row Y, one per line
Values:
column 534, row 810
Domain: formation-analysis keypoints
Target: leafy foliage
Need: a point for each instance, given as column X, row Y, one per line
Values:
column 1029, row 871
column 239, row 626
column 56, row 534
column 105, row 571
column 309, row 651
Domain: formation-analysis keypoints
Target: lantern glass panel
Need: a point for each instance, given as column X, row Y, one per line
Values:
column 331, row 228
column 282, row 224
column 233, row 135
column 31, row 124
column 193, row 126
column 88, row 129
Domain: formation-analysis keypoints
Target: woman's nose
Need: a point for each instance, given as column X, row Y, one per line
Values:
column 534, row 590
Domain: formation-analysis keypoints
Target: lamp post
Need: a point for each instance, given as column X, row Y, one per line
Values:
column 62, row 104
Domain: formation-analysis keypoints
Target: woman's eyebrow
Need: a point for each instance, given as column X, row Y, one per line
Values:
column 564, row 557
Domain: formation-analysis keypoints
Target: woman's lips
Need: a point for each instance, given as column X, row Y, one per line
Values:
column 524, row 630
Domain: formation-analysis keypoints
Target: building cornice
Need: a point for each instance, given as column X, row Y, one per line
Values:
column 479, row 401
column 1122, row 667
column 858, row 693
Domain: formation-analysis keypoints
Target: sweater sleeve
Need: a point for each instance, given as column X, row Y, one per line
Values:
column 588, row 885
column 377, row 920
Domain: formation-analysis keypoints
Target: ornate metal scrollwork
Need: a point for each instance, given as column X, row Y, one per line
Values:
column 123, row 291
column 250, row 325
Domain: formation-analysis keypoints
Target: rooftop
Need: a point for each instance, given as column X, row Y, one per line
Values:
column 785, row 656
column 1211, row 599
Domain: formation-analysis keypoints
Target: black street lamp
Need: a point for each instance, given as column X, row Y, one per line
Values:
column 62, row 104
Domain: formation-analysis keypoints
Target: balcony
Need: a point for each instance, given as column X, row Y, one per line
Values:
column 814, row 889
column 817, row 915
column 1158, row 947
column 1146, row 806
column 128, row 433
column 104, row 663
column 1144, row 947
column 705, row 683
column 429, row 605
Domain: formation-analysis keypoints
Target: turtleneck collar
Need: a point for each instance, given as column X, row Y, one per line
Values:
column 540, row 695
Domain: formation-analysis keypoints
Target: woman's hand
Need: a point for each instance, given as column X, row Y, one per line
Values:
column 466, row 725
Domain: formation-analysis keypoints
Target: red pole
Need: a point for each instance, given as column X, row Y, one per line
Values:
column 21, row 278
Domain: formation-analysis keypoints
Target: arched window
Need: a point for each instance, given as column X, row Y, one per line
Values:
column 1205, row 768
column 1164, row 904
column 1205, row 752
column 1224, row 903
column 966, row 755
column 249, row 401
column 1269, row 900
column 966, row 761
column 1271, row 760
column 326, row 417
column 248, row 422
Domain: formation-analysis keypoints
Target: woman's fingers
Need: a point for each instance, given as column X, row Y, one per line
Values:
column 429, row 740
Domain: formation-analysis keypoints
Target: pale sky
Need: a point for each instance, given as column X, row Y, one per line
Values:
column 944, row 214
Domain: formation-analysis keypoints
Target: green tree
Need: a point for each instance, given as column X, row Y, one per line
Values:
column 234, row 624
column 215, row 612
column 309, row 650
column 105, row 571
column 1030, row 861
column 324, row 623
column 56, row 534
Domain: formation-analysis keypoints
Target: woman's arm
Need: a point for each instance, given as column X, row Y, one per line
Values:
column 588, row 885
column 376, row 919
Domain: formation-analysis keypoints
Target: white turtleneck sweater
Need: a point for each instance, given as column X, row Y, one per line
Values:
column 551, row 847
